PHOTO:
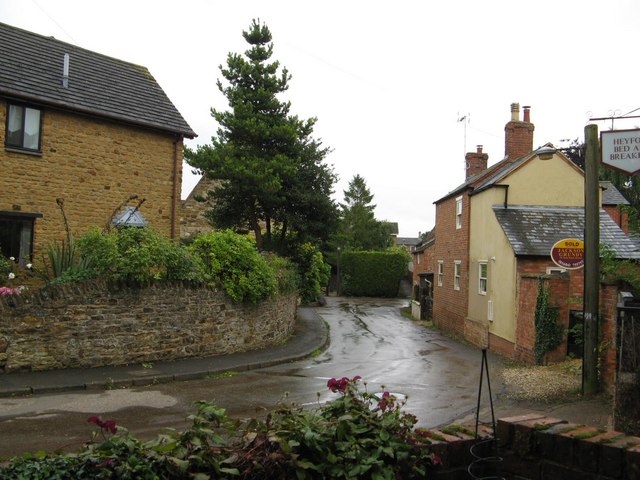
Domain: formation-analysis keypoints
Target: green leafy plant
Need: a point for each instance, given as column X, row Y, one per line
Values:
column 357, row 435
column 285, row 271
column 313, row 270
column 138, row 254
column 232, row 262
column 548, row 332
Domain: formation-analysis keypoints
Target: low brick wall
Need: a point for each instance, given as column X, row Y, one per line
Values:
column 535, row 447
column 94, row 324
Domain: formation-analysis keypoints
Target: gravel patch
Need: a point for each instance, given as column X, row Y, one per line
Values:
column 544, row 384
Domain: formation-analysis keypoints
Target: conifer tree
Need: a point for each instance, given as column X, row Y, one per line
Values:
column 269, row 166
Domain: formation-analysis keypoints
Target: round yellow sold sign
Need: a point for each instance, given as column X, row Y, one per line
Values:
column 568, row 253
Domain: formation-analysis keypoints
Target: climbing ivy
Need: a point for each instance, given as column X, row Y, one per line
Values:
column 548, row 332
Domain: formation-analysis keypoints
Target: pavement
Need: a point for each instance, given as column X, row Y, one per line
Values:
column 310, row 334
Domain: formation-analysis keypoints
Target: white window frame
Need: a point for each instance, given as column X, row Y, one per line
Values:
column 457, row 274
column 459, row 212
column 551, row 270
column 483, row 281
column 440, row 272
column 27, row 122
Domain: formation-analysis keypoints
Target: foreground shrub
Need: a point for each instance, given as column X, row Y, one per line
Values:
column 232, row 262
column 358, row 435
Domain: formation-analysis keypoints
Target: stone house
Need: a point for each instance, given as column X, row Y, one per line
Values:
column 94, row 132
column 493, row 236
column 192, row 211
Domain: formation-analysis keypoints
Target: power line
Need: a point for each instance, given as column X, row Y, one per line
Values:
column 54, row 21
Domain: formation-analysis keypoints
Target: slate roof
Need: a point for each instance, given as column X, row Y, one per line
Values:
column 31, row 70
column 611, row 195
column 532, row 230
column 412, row 242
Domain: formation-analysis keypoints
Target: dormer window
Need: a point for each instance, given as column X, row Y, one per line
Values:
column 23, row 128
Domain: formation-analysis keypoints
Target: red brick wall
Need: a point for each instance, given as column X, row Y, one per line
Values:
column 619, row 216
column 608, row 325
column 449, row 305
column 566, row 291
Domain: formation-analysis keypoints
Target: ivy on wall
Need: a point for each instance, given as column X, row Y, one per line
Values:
column 548, row 332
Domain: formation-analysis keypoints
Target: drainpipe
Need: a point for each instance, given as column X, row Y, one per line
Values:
column 174, row 187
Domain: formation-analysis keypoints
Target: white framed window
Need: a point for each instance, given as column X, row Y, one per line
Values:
column 440, row 272
column 482, row 277
column 551, row 270
column 23, row 128
column 457, row 271
column 459, row 212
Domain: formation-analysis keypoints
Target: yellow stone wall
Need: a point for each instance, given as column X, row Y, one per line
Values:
column 94, row 165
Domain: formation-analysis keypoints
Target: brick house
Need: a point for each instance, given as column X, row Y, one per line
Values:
column 86, row 128
column 493, row 235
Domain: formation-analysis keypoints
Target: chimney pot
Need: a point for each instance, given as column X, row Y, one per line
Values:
column 515, row 112
column 479, row 148
column 526, row 114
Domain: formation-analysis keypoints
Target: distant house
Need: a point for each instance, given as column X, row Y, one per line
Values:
column 86, row 129
column 193, row 208
column 408, row 243
column 493, row 236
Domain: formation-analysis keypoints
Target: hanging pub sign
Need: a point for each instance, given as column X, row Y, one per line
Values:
column 568, row 253
column 621, row 150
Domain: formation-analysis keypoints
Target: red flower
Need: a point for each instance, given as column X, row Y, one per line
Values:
column 341, row 385
column 109, row 425
column 387, row 401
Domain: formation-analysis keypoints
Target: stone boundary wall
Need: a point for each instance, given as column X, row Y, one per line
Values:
column 535, row 447
column 95, row 323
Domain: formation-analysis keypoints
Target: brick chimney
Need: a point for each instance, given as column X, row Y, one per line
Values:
column 518, row 135
column 476, row 162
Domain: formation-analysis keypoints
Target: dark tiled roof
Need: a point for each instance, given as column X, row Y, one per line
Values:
column 31, row 69
column 407, row 241
column 611, row 195
column 532, row 230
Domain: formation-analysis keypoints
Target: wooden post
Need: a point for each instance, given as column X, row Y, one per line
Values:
column 590, row 383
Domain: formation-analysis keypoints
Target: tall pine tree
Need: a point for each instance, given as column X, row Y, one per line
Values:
column 270, row 168
column 358, row 228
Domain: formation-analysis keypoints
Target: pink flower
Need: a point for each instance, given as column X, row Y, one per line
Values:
column 7, row 291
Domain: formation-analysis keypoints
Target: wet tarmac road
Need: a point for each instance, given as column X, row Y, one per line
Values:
column 368, row 337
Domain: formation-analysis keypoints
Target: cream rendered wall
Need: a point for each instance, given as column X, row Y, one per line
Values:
column 546, row 182
column 486, row 242
column 553, row 182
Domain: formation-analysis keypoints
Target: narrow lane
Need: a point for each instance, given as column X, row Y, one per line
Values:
column 368, row 337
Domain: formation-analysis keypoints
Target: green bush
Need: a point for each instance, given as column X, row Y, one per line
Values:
column 232, row 262
column 314, row 272
column 358, row 435
column 373, row 274
column 285, row 272
column 549, row 333
column 138, row 254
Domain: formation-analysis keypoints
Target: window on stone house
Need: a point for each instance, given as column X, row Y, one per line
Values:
column 482, row 278
column 23, row 130
column 440, row 272
column 459, row 212
column 16, row 236
column 457, row 269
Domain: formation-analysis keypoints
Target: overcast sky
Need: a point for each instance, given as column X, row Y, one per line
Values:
column 387, row 80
